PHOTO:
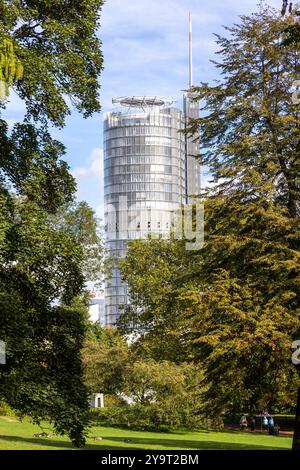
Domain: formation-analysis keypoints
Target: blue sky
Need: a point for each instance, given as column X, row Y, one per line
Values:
column 145, row 47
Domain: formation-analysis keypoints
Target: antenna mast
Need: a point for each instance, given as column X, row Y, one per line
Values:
column 190, row 52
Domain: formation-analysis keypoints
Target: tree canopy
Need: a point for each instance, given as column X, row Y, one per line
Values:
column 57, row 45
column 161, row 393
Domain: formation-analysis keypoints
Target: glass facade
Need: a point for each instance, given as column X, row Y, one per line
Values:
column 144, row 183
column 192, row 162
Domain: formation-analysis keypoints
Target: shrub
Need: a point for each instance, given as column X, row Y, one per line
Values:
column 6, row 410
column 159, row 417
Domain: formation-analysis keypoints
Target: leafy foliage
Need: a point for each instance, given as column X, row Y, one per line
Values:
column 81, row 222
column 105, row 355
column 31, row 166
column 11, row 68
column 42, row 319
column 57, row 45
column 140, row 392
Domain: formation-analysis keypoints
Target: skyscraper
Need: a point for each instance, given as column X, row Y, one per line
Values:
column 150, row 170
column 145, row 180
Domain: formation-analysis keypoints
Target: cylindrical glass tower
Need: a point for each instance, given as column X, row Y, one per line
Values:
column 145, row 181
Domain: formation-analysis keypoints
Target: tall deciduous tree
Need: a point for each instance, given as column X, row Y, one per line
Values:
column 45, row 250
column 80, row 221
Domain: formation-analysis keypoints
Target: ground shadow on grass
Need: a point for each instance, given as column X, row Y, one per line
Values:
column 138, row 444
column 36, row 441
column 61, row 444
column 192, row 445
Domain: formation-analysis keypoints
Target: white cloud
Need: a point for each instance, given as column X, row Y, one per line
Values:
column 89, row 178
column 146, row 17
column 93, row 169
column 145, row 43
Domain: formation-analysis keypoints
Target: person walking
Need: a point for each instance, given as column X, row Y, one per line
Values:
column 276, row 429
column 271, row 426
column 243, row 423
column 265, row 423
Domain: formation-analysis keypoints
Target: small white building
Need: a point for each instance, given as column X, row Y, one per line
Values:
column 2, row 352
column 97, row 400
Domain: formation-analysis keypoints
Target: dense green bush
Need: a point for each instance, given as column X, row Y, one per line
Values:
column 285, row 421
column 152, row 417
column 6, row 410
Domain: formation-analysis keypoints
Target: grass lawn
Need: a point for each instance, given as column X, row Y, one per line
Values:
column 15, row 435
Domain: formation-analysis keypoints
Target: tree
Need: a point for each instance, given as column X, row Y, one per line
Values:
column 80, row 221
column 31, row 165
column 250, row 135
column 161, row 394
column 164, row 395
column 105, row 355
column 232, row 307
column 148, row 381
column 155, row 308
column 43, row 318
column 234, row 304
column 56, row 43
column 249, row 309
column 44, row 255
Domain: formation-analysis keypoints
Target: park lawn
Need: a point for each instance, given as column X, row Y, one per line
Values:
column 16, row 435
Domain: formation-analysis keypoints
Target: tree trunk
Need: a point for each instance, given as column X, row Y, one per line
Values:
column 296, row 439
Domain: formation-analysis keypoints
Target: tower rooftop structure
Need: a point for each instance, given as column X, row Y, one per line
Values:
column 142, row 101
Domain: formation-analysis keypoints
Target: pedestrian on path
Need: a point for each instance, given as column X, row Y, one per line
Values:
column 271, row 426
column 265, row 423
column 243, row 423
